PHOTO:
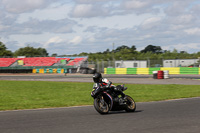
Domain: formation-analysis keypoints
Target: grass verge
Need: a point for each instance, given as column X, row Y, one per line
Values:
column 43, row 94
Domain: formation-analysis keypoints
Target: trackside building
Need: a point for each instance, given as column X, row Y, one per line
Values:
column 180, row 63
column 131, row 64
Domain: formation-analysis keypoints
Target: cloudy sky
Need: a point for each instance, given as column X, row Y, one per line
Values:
column 75, row 26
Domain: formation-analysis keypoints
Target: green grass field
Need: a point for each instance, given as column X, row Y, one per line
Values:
column 43, row 94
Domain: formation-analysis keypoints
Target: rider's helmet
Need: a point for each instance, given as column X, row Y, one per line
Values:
column 97, row 77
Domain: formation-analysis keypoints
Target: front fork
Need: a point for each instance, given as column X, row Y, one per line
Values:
column 102, row 101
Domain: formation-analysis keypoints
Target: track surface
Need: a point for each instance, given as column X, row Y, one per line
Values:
column 131, row 79
column 176, row 116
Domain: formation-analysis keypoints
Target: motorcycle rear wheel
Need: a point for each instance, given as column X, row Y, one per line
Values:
column 131, row 105
column 100, row 105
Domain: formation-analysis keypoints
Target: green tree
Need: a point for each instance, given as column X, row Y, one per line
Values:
column 42, row 52
column 54, row 55
column 153, row 49
column 121, row 48
column 107, row 51
column 4, row 51
column 31, row 52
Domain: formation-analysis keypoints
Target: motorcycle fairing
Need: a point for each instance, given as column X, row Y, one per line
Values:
column 111, row 99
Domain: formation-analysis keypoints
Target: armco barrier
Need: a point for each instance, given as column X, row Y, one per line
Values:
column 171, row 70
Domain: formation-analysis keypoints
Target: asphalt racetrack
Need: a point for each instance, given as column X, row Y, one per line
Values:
column 125, row 79
column 173, row 116
column 176, row 116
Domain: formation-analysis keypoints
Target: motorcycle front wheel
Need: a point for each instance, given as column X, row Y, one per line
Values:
column 101, row 105
column 130, row 104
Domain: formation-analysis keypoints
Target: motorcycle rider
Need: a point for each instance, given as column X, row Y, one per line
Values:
column 103, row 83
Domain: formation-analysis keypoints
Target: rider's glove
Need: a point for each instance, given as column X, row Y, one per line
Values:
column 92, row 94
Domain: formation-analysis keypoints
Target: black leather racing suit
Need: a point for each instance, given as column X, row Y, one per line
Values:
column 104, row 84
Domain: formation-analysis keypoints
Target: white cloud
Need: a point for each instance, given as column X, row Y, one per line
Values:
column 91, row 39
column 95, row 24
column 53, row 40
column 182, row 19
column 91, row 1
column 76, row 40
column 176, row 8
column 18, row 6
column 56, row 39
column 184, row 47
column 135, row 4
column 151, row 22
column 89, row 10
column 53, row 12
column 82, row 10
column 193, row 31
column 34, row 26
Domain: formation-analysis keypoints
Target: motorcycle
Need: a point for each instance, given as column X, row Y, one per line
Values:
column 108, row 100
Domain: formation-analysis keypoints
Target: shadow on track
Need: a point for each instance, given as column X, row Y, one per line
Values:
column 123, row 112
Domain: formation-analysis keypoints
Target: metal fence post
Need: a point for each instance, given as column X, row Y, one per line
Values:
column 102, row 65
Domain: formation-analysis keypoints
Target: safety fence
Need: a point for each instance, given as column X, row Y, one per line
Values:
column 172, row 70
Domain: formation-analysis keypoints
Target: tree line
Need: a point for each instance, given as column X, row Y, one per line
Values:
column 120, row 53
column 150, row 52
column 26, row 51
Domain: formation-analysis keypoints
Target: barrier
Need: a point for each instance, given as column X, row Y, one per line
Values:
column 189, row 70
column 105, row 70
column 166, row 74
column 142, row 70
column 151, row 70
column 160, row 75
column 121, row 70
column 172, row 70
column 50, row 70
column 111, row 71
column 167, row 70
column 34, row 71
column 37, row 70
column 59, row 70
column 155, row 74
column 41, row 70
column 131, row 71
column 63, row 71
column 54, row 70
